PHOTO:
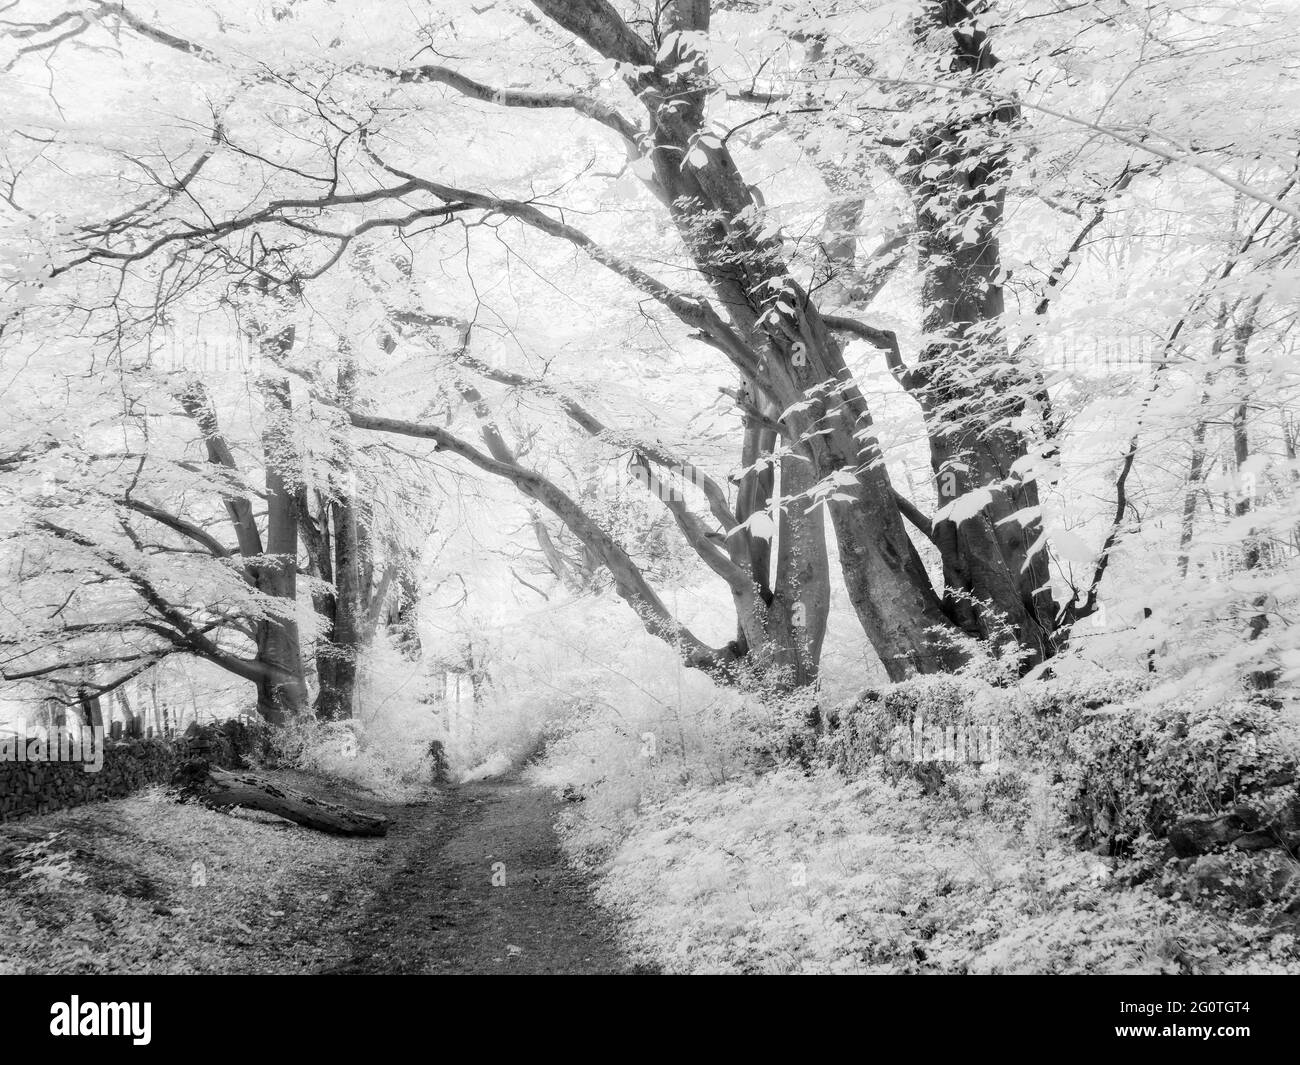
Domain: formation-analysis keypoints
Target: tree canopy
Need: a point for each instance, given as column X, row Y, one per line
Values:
column 954, row 329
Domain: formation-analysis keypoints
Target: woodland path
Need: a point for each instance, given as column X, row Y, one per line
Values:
column 474, row 882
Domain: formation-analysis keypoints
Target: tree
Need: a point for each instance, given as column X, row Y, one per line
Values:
column 762, row 134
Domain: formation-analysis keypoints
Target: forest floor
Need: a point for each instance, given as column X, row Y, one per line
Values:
column 795, row 872
column 469, row 880
column 784, row 872
column 481, row 886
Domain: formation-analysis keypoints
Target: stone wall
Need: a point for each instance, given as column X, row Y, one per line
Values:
column 39, row 787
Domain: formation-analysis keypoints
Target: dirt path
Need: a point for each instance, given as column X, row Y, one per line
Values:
column 475, row 882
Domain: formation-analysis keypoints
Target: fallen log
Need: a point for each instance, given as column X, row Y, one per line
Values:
column 1200, row 835
column 201, row 782
column 1240, row 828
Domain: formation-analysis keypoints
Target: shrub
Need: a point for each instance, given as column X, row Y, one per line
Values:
column 1038, row 718
column 1136, row 772
column 1125, row 764
column 1028, row 721
column 886, row 729
column 394, row 747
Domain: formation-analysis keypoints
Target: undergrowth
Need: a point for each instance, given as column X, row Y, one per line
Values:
column 726, row 848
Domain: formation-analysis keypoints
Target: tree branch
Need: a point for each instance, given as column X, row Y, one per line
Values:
column 574, row 101
column 628, row 579
column 177, row 524
column 694, row 311
column 910, row 378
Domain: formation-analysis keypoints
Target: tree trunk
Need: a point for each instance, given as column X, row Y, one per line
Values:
column 92, row 713
column 271, row 565
column 221, row 790
column 781, row 616
column 337, row 656
column 969, row 389
column 801, row 369
column 776, row 336
column 282, row 693
column 1260, row 679
column 802, row 595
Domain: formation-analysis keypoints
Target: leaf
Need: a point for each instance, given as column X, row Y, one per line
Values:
column 1070, row 547
column 759, row 525
column 965, row 507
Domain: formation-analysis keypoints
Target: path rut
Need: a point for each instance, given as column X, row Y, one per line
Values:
column 477, row 884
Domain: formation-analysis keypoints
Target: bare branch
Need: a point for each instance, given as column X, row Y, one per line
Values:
column 694, row 311
column 911, row 379
column 628, row 579
column 574, row 101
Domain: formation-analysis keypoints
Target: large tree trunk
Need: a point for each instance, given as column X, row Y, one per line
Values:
column 339, row 651
column 802, row 595
column 271, row 565
column 781, row 616
column 221, row 790
column 1252, row 546
column 800, row 366
column 277, row 667
column 282, row 693
column 966, row 383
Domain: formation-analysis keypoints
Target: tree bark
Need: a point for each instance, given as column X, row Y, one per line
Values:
column 282, row 692
column 1252, row 547
column 969, row 388
column 221, row 789
column 277, row 666
column 339, row 651
column 802, row 593
column 785, row 346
